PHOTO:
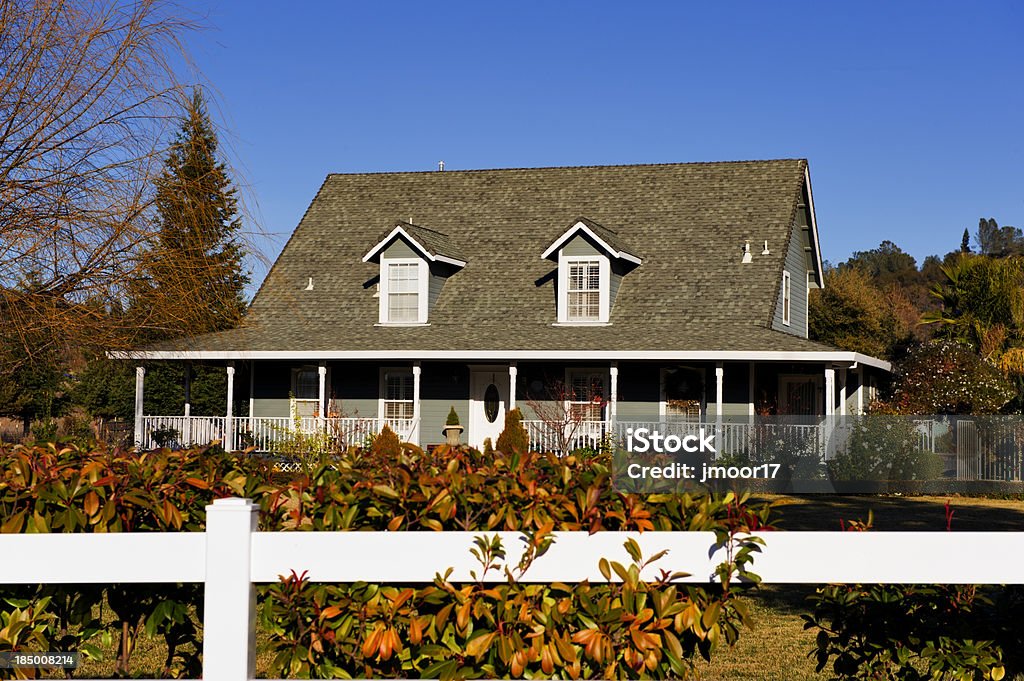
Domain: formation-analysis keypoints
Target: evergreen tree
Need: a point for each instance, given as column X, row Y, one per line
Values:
column 194, row 282
column 965, row 242
column 196, row 274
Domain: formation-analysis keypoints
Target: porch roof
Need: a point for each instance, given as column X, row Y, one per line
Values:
column 749, row 343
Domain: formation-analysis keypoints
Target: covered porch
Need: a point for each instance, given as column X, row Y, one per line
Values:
column 568, row 403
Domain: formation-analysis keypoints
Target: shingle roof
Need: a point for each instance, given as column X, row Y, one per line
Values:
column 689, row 222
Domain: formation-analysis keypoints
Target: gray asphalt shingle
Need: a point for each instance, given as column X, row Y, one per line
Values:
column 688, row 223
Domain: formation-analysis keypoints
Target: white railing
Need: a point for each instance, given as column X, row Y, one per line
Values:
column 231, row 557
column 562, row 438
column 264, row 433
column 181, row 431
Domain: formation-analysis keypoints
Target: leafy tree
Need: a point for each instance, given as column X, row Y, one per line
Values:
column 853, row 313
column 999, row 242
column 887, row 264
column 982, row 298
column 36, row 387
column 196, row 265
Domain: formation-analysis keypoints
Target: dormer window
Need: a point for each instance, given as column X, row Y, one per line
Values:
column 584, row 291
column 403, row 294
column 591, row 264
column 414, row 263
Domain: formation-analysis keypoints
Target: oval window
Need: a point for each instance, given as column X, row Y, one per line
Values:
column 491, row 403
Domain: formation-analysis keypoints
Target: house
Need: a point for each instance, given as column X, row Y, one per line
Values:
column 601, row 296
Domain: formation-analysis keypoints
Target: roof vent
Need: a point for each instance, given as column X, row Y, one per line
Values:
column 440, row 166
column 766, row 251
column 309, row 286
column 747, row 258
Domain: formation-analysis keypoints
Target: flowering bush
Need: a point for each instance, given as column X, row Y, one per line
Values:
column 947, row 377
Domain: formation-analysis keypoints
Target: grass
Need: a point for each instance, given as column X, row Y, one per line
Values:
column 899, row 514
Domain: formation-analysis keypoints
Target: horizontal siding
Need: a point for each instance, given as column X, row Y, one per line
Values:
column 796, row 265
column 580, row 245
column 399, row 248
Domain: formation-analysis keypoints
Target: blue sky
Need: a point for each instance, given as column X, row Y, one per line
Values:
column 910, row 113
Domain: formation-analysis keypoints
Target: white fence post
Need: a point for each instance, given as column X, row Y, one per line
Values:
column 229, row 610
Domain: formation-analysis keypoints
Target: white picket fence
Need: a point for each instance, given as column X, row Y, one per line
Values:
column 231, row 557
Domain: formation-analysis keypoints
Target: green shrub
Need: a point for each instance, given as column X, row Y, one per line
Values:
column 628, row 629
column 513, row 438
column 453, row 418
column 884, row 448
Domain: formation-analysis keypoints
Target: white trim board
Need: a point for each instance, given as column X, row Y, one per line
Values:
column 398, row 231
column 581, row 227
column 834, row 356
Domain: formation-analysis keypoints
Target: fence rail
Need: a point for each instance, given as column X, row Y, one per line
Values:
column 231, row 557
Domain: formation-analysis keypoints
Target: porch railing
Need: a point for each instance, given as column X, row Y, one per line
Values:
column 562, row 438
column 265, row 433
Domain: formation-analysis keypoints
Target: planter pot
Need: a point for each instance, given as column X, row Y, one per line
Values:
column 452, row 434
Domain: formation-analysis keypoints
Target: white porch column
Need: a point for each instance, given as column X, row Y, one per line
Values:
column 513, row 373
column 186, row 436
column 613, row 403
column 252, row 395
column 719, row 390
column 416, row 371
column 322, row 393
column 229, row 619
column 140, row 379
column 750, row 391
column 830, row 391
column 229, row 425
column 860, row 389
column 842, row 391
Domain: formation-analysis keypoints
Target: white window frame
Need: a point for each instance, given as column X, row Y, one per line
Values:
column 423, row 277
column 383, row 386
column 787, row 298
column 663, row 402
column 604, row 295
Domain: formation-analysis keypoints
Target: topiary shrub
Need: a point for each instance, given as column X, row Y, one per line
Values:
column 453, row 418
column 386, row 444
column 514, row 438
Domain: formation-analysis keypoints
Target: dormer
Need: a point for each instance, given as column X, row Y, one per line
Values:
column 591, row 263
column 414, row 263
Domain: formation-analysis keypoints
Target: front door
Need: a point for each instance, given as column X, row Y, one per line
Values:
column 488, row 400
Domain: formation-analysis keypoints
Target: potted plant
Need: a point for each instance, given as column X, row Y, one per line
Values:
column 452, row 429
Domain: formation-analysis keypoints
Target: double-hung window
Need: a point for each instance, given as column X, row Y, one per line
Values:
column 398, row 395
column 586, row 396
column 584, row 304
column 403, row 291
column 583, row 289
